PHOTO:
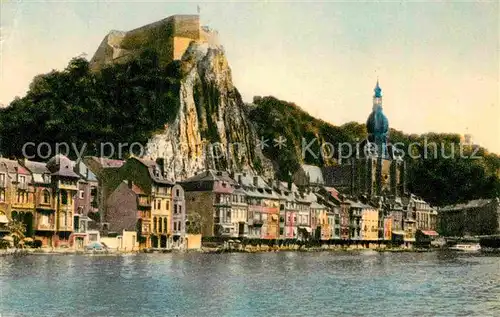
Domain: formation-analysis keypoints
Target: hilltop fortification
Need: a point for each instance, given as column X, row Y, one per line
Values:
column 169, row 37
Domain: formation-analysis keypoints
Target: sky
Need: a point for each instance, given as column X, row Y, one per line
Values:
column 437, row 62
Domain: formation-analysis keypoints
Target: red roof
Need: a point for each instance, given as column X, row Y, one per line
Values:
column 333, row 192
column 22, row 170
column 136, row 189
column 430, row 233
column 106, row 162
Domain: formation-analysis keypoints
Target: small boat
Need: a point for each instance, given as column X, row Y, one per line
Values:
column 466, row 247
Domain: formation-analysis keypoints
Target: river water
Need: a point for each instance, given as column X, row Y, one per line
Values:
column 266, row 284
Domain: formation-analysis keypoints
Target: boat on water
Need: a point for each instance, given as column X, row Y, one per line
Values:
column 466, row 247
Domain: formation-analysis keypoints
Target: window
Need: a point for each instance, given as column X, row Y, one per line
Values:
column 22, row 179
column 177, row 192
column 64, row 197
column 175, row 226
column 46, row 196
column 44, row 220
column 180, row 208
column 158, row 204
column 81, row 194
column 167, row 205
column 175, row 208
column 160, row 225
column 154, row 224
column 2, row 194
column 2, row 179
column 165, row 227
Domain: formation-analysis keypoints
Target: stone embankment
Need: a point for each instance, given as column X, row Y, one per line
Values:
column 302, row 248
column 215, row 249
column 58, row 251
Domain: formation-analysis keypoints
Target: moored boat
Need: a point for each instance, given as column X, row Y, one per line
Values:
column 466, row 247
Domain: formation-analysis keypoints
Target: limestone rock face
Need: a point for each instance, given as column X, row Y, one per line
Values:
column 211, row 129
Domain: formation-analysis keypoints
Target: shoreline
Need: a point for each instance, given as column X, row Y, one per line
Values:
column 221, row 250
column 203, row 250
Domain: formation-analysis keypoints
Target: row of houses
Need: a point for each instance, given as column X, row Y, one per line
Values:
column 243, row 205
column 131, row 204
column 52, row 199
column 63, row 203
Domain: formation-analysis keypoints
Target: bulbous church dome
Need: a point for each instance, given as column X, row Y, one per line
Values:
column 377, row 122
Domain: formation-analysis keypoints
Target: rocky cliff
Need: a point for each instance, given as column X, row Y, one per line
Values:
column 211, row 129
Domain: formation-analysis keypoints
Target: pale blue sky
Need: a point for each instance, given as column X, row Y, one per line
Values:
column 438, row 63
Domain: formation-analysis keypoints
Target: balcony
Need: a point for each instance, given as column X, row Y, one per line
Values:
column 256, row 208
column 45, row 227
column 68, row 186
column 65, row 227
column 258, row 223
column 144, row 203
column 43, row 205
column 222, row 203
column 23, row 205
column 145, row 215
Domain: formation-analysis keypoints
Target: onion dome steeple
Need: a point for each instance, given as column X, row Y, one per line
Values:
column 377, row 124
column 378, row 91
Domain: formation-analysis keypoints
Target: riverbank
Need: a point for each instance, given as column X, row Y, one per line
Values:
column 227, row 249
column 59, row 251
column 206, row 250
column 298, row 248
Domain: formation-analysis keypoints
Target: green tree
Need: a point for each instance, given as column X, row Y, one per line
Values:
column 16, row 231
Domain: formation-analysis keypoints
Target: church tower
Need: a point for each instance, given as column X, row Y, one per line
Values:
column 377, row 125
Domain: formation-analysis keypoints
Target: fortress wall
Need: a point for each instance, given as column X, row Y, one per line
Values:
column 180, row 45
column 187, row 26
column 169, row 37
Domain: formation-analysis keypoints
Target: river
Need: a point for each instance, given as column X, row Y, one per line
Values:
column 265, row 284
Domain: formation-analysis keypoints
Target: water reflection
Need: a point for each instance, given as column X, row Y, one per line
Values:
column 372, row 284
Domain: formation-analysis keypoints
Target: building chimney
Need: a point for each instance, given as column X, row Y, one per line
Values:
column 130, row 183
column 256, row 181
column 240, row 180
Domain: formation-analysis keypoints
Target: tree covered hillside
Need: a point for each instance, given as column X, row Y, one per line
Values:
column 122, row 103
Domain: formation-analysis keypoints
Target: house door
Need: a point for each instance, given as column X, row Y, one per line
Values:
column 79, row 243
